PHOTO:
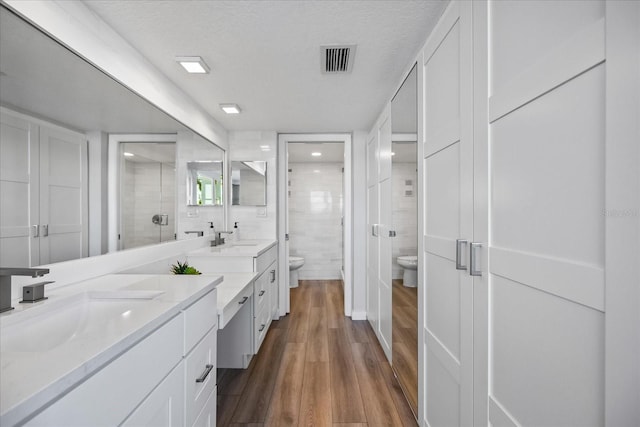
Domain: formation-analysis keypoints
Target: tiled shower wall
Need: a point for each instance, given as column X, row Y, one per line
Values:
column 148, row 189
column 405, row 212
column 315, row 215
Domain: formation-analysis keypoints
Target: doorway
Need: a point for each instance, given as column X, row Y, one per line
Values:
column 284, row 231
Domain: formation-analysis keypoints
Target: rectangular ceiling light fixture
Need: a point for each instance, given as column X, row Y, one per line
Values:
column 193, row 64
column 230, row 108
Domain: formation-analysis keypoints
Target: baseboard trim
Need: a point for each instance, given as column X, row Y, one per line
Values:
column 358, row 315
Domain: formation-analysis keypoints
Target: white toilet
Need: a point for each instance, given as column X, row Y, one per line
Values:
column 410, row 265
column 295, row 262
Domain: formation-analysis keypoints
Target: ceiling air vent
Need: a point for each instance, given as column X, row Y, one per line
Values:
column 337, row 59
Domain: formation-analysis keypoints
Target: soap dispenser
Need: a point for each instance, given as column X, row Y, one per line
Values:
column 212, row 229
column 236, row 232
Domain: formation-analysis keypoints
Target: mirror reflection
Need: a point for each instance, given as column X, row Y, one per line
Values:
column 59, row 116
column 147, row 196
column 249, row 183
column 405, row 246
column 204, row 183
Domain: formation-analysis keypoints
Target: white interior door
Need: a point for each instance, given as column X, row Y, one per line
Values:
column 448, row 174
column 63, row 195
column 18, row 239
column 372, row 231
column 385, row 250
column 547, row 145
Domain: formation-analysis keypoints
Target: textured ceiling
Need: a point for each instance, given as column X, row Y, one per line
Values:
column 265, row 55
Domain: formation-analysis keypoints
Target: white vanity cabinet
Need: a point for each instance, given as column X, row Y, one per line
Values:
column 166, row 379
column 261, row 259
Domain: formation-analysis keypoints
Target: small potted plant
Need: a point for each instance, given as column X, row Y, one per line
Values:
column 183, row 268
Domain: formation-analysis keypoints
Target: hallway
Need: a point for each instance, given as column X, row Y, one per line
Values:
column 316, row 367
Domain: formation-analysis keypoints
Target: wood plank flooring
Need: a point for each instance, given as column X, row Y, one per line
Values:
column 316, row 367
column 405, row 340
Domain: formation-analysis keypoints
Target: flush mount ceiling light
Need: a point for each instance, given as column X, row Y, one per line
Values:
column 193, row 64
column 230, row 108
column 316, row 154
column 128, row 154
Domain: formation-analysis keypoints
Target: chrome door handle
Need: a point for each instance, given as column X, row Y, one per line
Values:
column 473, row 259
column 36, row 231
column 45, row 230
column 243, row 300
column 205, row 374
column 273, row 276
column 459, row 252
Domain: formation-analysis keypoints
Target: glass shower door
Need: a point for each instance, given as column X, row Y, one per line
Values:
column 147, row 194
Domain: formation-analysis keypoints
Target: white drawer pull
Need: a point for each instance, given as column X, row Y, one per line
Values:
column 205, row 374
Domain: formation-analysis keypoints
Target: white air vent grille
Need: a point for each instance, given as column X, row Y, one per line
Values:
column 337, row 59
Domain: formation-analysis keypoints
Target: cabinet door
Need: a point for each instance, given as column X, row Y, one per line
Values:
column 273, row 279
column 207, row 417
column 164, row 407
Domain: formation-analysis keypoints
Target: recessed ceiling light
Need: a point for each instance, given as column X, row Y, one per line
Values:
column 393, row 154
column 128, row 154
column 230, row 108
column 316, row 154
column 193, row 64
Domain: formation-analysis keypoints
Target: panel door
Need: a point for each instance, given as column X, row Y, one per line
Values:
column 547, row 145
column 448, row 166
column 63, row 195
column 19, row 211
column 372, row 233
column 385, row 250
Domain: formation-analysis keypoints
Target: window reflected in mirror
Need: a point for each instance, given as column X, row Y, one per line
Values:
column 204, row 183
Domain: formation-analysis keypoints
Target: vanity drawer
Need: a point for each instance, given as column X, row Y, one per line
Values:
column 243, row 298
column 264, row 260
column 207, row 417
column 199, row 317
column 200, row 375
column 261, row 326
column 261, row 292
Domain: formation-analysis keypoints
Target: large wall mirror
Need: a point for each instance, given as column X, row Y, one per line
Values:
column 60, row 117
column 405, row 245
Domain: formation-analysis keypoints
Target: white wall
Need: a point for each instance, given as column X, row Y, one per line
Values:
column 315, row 211
column 255, row 222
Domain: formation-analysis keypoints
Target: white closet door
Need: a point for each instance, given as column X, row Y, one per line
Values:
column 372, row 232
column 18, row 166
column 448, row 166
column 385, row 242
column 547, row 145
column 63, row 195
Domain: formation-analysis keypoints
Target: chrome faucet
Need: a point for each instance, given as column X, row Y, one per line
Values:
column 218, row 239
column 5, row 283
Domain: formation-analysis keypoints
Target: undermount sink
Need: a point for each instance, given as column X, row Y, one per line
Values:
column 89, row 313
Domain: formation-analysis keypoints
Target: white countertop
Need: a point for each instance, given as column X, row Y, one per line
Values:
column 251, row 248
column 49, row 347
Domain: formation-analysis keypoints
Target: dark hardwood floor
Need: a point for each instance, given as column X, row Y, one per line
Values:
column 405, row 340
column 316, row 367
